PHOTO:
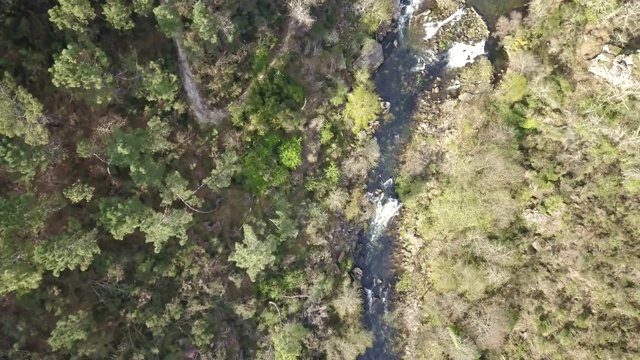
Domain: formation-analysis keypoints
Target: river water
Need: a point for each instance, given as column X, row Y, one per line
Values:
column 398, row 82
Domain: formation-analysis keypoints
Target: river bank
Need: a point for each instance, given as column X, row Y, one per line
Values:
column 509, row 235
column 414, row 63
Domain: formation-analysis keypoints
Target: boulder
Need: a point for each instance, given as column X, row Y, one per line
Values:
column 617, row 69
column 357, row 273
column 371, row 56
column 590, row 45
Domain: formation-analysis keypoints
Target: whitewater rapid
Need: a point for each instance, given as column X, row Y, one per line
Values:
column 457, row 55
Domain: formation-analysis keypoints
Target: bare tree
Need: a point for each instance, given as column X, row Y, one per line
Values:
column 300, row 10
column 508, row 26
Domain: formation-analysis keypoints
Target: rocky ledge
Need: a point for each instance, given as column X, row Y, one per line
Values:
column 459, row 36
column 617, row 68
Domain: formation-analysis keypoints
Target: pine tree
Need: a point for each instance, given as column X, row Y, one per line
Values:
column 204, row 23
column 160, row 227
column 168, row 20
column 146, row 173
column 78, row 192
column 252, row 254
column 21, row 114
column 72, row 249
column 19, row 158
column 287, row 228
column 118, row 14
column 291, row 153
column 72, row 14
column 177, row 188
column 287, row 342
column 134, row 149
column 83, row 67
column 143, row 7
column 156, row 135
column 225, row 169
column 122, row 218
column 21, row 216
column 160, row 86
column 68, row 332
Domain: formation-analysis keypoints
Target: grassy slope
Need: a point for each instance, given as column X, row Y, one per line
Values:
column 521, row 218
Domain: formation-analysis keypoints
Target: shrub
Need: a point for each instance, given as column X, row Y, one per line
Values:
column 291, row 153
column 363, row 107
column 373, row 12
column 78, row 192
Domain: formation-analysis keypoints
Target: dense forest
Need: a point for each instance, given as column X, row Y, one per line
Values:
column 173, row 177
column 187, row 179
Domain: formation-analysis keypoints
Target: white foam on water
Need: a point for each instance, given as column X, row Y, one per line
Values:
column 384, row 295
column 461, row 54
column 386, row 184
column 426, row 58
column 369, row 295
column 406, row 18
column 386, row 209
column 431, row 28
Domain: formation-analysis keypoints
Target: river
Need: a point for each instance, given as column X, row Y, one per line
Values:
column 398, row 83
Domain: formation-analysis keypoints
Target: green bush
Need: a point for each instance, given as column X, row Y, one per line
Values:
column 291, row 153
column 363, row 107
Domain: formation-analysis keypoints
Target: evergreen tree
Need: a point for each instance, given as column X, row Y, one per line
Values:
column 146, row 173
column 169, row 20
column 72, row 249
column 125, row 147
column 22, row 159
column 22, row 217
column 225, row 169
column 83, row 67
column 71, row 330
column 134, row 149
column 287, row 228
column 287, row 342
column 156, row 136
column 78, row 192
column 160, row 227
column 204, row 23
column 21, row 114
column 72, row 14
column 291, row 153
column 143, row 7
column 122, row 218
column 252, row 254
column 118, row 14
column 160, row 86
column 177, row 188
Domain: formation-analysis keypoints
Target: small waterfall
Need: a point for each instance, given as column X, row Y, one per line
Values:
column 461, row 54
column 369, row 296
column 386, row 209
column 458, row 55
column 407, row 11
column 384, row 295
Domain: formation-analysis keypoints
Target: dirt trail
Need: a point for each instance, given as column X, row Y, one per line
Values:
column 197, row 104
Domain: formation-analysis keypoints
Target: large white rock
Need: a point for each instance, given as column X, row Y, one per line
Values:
column 618, row 70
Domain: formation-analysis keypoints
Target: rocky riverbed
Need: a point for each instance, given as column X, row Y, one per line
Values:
column 429, row 50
